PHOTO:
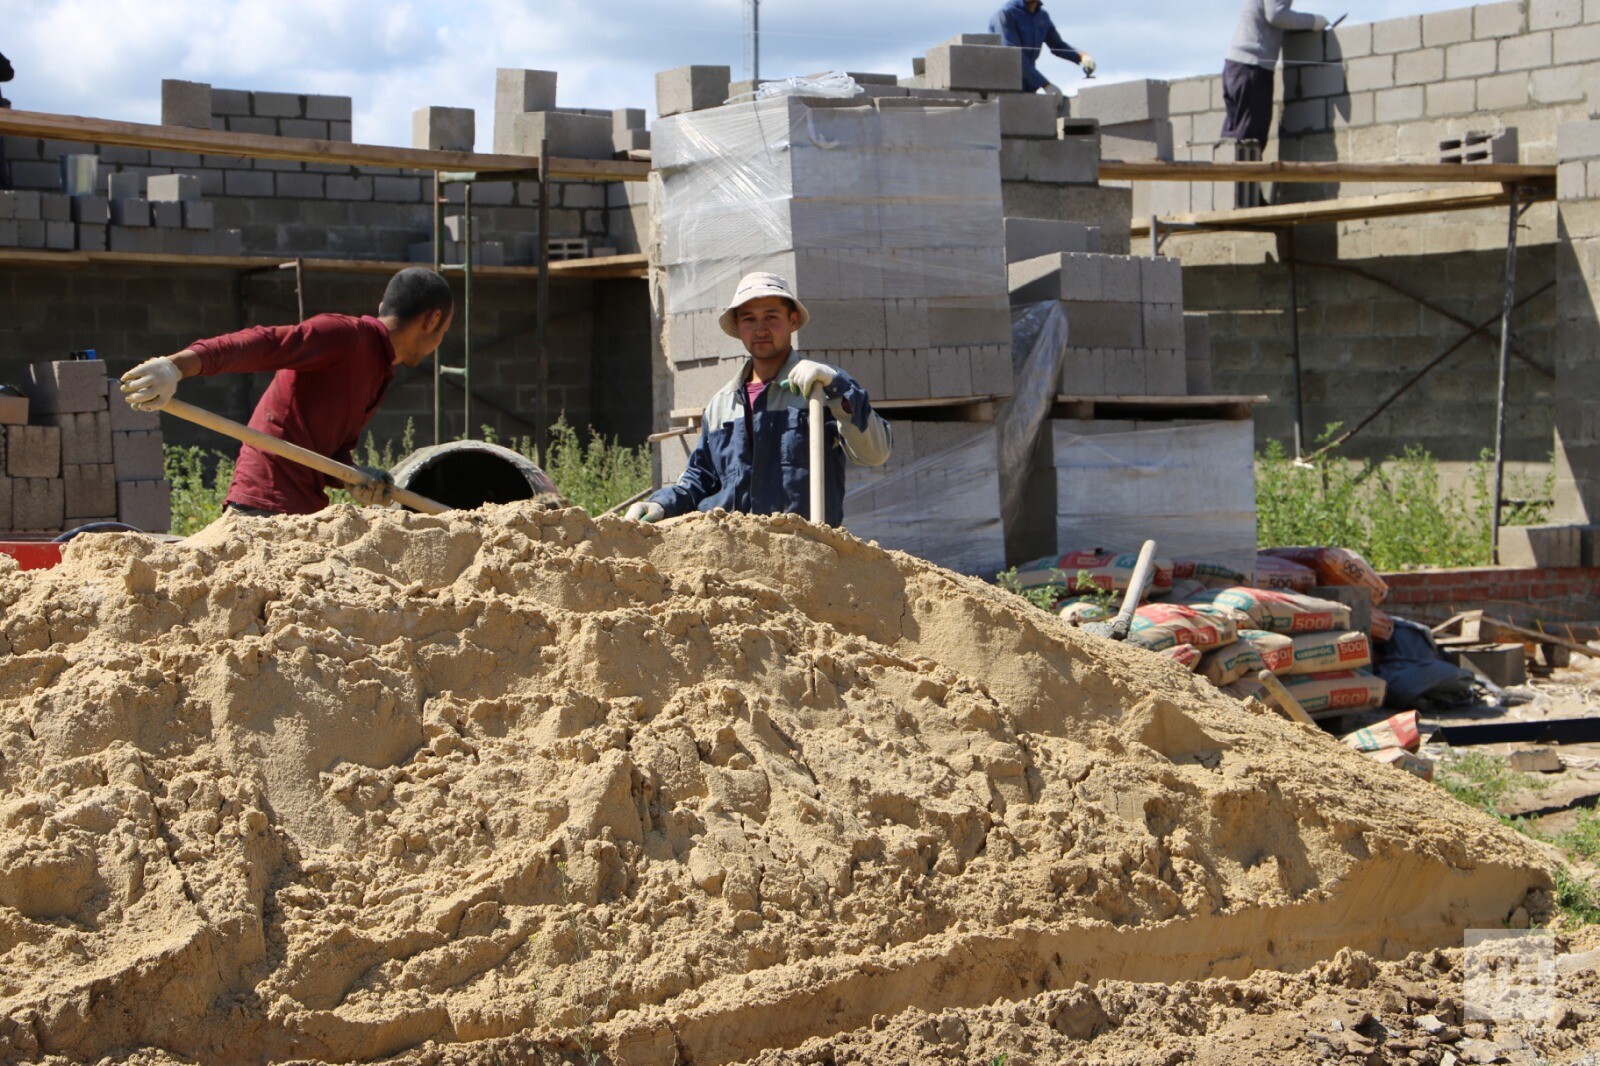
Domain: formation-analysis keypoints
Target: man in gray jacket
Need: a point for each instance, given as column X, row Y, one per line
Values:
column 1247, row 77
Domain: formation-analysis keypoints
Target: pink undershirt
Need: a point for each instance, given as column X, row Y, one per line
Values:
column 753, row 390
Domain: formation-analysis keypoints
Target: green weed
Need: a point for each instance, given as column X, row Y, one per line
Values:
column 197, row 492
column 1484, row 781
column 1584, row 840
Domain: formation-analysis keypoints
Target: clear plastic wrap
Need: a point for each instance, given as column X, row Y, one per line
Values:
column 1038, row 347
column 852, row 200
column 1188, row 485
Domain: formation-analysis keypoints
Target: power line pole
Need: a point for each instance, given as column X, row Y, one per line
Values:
column 753, row 44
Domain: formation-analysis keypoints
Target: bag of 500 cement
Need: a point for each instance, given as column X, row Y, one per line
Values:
column 1275, row 649
column 1185, row 655
column 1212, row 575
column 1159, row 626
column 1275, row 573
column 1342, row 690
column 1283, row 612
column 1108, row 571
column 1183, row 588
column 1320, row 653
column 1382, row 625
column 1230, row 662
column 1246, row 688
column 1078, row 612
column 1336, row 566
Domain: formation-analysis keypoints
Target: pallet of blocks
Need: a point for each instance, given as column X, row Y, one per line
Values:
column 886, row 216
column 74, row 453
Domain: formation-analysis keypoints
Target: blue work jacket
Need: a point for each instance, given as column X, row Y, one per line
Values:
column 1030, row 30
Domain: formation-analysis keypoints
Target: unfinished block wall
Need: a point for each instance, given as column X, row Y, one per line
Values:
column 1577, row 353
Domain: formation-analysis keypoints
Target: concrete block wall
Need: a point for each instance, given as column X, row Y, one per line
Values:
column 1577, row 351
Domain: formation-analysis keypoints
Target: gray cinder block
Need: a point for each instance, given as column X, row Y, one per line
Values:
column 1541, row 546
column 1105, row 324
column 1027, row 238
column 1163, row 326
column 517, row 91
column 166, row 214
column 573, row 136
column 55, row 207
column 91, row 208
column 33, row 451
column 60, row 236
column 186, row 103
column 37, row 504
column 199, row 214
column 124, row 185
column 1057, row 276
column 1066, row 162
column 172, row 188
column 124, row 418
column 1150, row 139
column 90, row 490
column 628, row 118
column 66, row 386
column 91, row 237
column 137, row 456
column 991, row 39
column 630, row 140
column 130, row 213
column 958, row 66
column 146, row 505
column 1161, row 281
column 1029, row 114
column 1123, row 277
column 1122, row 103
column 692, row 88
column 452, row 129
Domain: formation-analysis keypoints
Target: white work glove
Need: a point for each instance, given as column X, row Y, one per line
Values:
column 376, row 492
column 1086, row 62
column 807, row 373
column 1318, row 23
column 151, row 385
column 1052, row 89
column 646, row 511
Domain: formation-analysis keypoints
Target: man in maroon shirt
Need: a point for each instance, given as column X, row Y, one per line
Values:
column 332, row 372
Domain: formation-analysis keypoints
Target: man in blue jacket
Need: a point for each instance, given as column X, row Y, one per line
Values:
column 753, row 454
column 1026, row 25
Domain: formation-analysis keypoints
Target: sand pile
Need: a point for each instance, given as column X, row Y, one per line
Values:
column 335, row 787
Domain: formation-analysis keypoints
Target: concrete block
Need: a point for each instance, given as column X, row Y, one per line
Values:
column 1161, row 281
column 1447, row 27
column 1124, row 373
column 328, row 108
column 949, row 372
column 518, row 91
column 199, row 214
column 1554, row 14
column 841, row 325
column 37, row 504
column 91, row 237
column 450, row 129
column 957, row 66
column 1122, row 103
column 130, row 213
column 23, row 205
column 1503, row 92
column 91, row 208
column 66, row 386
column 905, row 375
column 1165, row 372
column 1083, row 372
column 906, row 323
column 145, row 505
column 80, row 174
column 1056, row 276
column 125, row 185
column 186, row 103
column 625, row 118
column 29, row 234
column 991, row 370
column 1163, row 327
column 124, row 418
column 695, row 88
column 277, row 105
column 1525, row 52
column 1122, row 278
column 1028, row 114
column 1419, row 68
column 1074, row 161
column 1541, row 546
column 1577, row 140
column 630, row 140
column 1580, row 44
column 1105, row 324
column 572, row 136
column 1452, row 98
column 85, row 437
column 1013, row 160
column 1028, row 238
column 963, row 322
column 166, row 214
column 172, row 187
column 5, row 503
column 1497, row 20
column 1404, row 104
column 33, row 451
column 13, row 412
column 141, row 240
column 1374, row 72
column 60, row 236
column 1557, row 85
column 1137, row 140
column 992, row 39
column 1397, row 35
column 90, row 491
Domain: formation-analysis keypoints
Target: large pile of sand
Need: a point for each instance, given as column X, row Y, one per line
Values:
column 333, row 787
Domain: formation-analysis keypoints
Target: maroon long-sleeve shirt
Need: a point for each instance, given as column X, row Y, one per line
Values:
column 332, row 372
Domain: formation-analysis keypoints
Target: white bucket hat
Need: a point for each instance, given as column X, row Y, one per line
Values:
column 753, row 287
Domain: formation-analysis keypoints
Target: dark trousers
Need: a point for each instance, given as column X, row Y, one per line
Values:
column 1247, row 98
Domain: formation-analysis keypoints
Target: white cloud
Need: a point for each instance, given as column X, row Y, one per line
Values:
column 398, row 55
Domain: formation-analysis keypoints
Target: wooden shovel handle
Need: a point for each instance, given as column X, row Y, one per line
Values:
column 304, row 456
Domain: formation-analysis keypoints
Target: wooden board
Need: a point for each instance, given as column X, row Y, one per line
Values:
column 301, row 149
column 613, row 266
column 1224, row 408
column 1346, row 209
column 1325, row 173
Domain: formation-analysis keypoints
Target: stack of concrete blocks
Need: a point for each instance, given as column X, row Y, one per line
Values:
column 1577, row 347
column 1197, row 352
column 78, row 454
column 1134, row 125
column 1124, row 319
column 886, row 216
column 273, row 114
column 630, row 131
column 525, row 117
column 484, row 252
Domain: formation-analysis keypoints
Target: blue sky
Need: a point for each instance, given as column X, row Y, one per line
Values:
column 106, row 58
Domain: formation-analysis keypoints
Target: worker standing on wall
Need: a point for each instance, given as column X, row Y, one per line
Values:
column 1026, row 25
column 752, row 455
column 1247, row 76
column 332, row 372
column 6, row 74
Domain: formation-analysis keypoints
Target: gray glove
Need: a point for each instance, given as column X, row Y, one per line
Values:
column 377, row 491
column 646, row 511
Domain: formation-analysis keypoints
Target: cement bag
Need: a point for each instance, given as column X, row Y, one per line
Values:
column 1275, row 573
column 1185, row 655
column 1320, row 653
column 1182, row 588
column 1078, row 612
column 1230, row 662
column 1211, row 574
column 1404, row 760
column 1246, row 688
column 1283, row 612
column 1275, row 649
column 1336, row 566
column 1108, row 571
column 1342, row 690
column 1159, row 626
column 1382, row 625
column 1396, row 731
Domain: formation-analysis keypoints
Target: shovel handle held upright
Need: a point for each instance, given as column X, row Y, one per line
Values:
column 819, row 452
column 1136, row 584
column 304, row 456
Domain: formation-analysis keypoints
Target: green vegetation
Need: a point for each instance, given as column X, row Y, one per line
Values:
column 594, row 475
column 1396, row 513
column 1483, row 781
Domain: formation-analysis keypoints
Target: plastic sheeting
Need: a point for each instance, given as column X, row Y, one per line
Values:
column 1189, row 485
column 849, row 200
column 1038, row 348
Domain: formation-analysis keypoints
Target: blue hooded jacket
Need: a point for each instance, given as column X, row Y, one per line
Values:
column 1029, row 31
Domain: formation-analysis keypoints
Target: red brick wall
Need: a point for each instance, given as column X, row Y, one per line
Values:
column 1518, row 595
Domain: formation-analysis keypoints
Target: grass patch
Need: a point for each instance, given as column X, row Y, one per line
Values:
column 1483, row 781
